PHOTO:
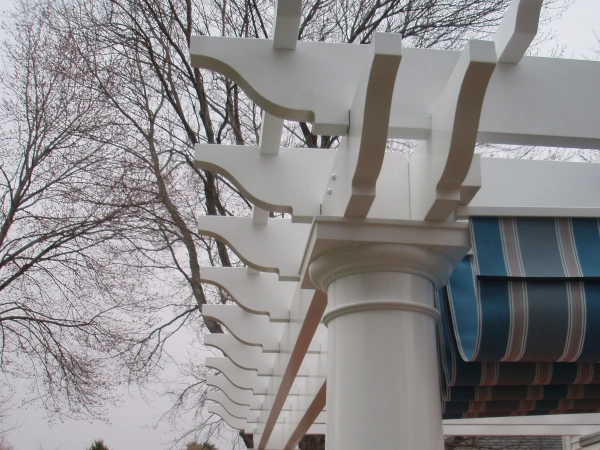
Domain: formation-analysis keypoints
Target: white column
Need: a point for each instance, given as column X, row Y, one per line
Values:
column 383, row 378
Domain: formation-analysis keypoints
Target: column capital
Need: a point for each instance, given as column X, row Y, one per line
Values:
column 338, row 248
column 433, row 265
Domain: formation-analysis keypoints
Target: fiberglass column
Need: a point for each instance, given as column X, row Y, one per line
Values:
column 383, row 378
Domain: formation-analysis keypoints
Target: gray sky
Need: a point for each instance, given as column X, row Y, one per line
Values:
column 132, row 420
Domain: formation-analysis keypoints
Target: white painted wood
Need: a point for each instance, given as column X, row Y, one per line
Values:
column 470, row 187
column 259, row 216
column 511, row 187
column 568, row 442
column 392, row 200
column 303, row 328
column 250, row 329
column 260, row 293
column 519, row 108
column 287, row 22
column 248, row 357
column 277, row 247
column 243, row 379
column 450, row 100
column 324, row 76
column 369, row 120
column 235, row 394
column 366, row 346
column 270, row 134
column 292, row 182
column 238, row 411
column 520, row 102
column 301, row 377
column 449, row 241
column 552, row 425
column 439, row 166
column 590, row 441
column 517, row 30
column 308, row 407
column 234, row 422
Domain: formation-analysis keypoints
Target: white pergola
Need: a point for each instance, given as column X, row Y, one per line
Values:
column 334, row 328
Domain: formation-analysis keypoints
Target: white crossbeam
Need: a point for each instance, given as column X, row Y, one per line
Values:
column 270, row 134
column 260, row 246
column 511, row 187
column 260, row 293
column 519, row 107
column 248, row 357
column 251, row 329
column 324, row 76
column 299, row 174
column 553, row 425
column 556, row 425
column 259, row 216
column 288, row 14
column 305, row 316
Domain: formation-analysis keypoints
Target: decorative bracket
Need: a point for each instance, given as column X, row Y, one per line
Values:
column 517, row 30
column 275, row 247
column 243, row 379
column 351, row 190
column 258, row 293
column 249, row 357
column 324, row 75
column 239, row 411
column 234, row 422
column 439, row 165
column 251, row 329
column 292, row 181
column 237, row 395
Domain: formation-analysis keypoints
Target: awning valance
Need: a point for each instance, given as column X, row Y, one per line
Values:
column 520, row 329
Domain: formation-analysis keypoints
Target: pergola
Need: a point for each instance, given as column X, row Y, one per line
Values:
column 399, row 275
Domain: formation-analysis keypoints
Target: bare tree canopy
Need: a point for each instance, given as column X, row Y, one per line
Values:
column 69, row 298
column 99, row 253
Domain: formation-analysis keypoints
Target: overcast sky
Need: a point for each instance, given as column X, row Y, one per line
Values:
column 131, row 427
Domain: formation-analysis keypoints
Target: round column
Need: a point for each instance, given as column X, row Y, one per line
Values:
column 383, row 378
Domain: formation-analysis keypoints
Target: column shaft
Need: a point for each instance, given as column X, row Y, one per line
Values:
column 383, row 380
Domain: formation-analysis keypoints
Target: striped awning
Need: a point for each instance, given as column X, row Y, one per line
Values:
column 520, row 330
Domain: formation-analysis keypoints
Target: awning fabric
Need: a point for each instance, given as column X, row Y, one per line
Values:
column 520, row 329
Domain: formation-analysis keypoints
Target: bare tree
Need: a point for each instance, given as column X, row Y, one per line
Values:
column 136, row 52
column 138, row 107
column 69, row 300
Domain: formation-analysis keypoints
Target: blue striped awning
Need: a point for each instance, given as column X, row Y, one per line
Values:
column 530, row 292
column 492, row 389
column 520, row 331
column 525, row 247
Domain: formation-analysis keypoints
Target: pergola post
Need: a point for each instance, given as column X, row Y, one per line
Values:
column 371, row 335
column 381, row 320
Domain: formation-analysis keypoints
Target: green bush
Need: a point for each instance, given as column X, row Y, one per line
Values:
column 203, row 446
column 98, row 445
